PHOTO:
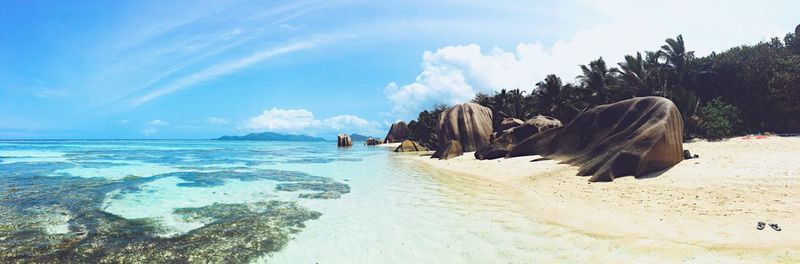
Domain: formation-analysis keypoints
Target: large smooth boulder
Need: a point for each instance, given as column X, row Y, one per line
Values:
column 543, row 123
column 409, row 146
column 509, row 123
column 632, row 137
column 450, row 150
column 343, row 140
column 397, row 133
column 797, row 31
column 513, row 136
column 491, row 151
column 470, row 124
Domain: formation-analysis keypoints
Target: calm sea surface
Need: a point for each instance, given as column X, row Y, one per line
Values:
column 277, row 202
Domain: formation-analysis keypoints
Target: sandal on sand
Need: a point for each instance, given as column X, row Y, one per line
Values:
column 775, row 226
column 760, row 226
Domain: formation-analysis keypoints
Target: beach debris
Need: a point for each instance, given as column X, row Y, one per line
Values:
column 492, row 151
column 343, row 140
column 632, row 137
column 408, row 146
column 760, row 225
column 687, row 155
column 450, row 150
column 397, row 133
column 510, row 122
column 470, row 124
column 775, row 227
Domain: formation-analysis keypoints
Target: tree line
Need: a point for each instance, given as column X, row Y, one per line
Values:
column 745, row 89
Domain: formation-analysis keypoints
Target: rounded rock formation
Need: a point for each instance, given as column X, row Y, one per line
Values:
column 397, row 133
column 470, row 124
column 491, row 151
column 797, row 31
column 513, row 136
column 450, row 150
column 409, row 146
column 343, row 140
column 631, row 137
column 543, row 123
column 509, row 123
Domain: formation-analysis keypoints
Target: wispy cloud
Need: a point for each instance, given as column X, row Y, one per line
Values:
column 224, row 68
column 217, row 120
column 303, row 121
column 156, row 122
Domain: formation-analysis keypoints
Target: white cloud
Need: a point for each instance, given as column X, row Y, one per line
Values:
column 124, row 122
column 453, row 74
column 343, row 122
column 217, row 120
column 149, row 131
column 282, row 120
column 156, row 122
column 49, row 93
column 224, row 68
column 303, row 121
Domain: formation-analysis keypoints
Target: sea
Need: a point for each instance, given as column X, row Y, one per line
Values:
column 207, row 201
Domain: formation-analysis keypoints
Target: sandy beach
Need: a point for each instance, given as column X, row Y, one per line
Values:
column 712, row 202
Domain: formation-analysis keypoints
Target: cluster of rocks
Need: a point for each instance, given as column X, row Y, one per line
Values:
column 631, row 137
column 344, row 140
column 371, row 141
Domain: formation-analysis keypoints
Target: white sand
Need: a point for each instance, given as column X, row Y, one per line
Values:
column 713, row 202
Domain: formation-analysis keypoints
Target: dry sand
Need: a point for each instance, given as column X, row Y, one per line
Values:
column 712, row 202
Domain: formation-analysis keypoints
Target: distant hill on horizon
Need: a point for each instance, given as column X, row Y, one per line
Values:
column 270, row 136
column 358, row 137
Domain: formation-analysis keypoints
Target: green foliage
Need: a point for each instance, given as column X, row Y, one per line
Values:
column 597, row 79
column 761, row 81
column 718, row 120
column 507, row 103
column 792, row 42
column 423, row 130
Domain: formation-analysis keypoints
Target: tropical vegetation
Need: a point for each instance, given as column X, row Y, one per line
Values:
column 745, row 89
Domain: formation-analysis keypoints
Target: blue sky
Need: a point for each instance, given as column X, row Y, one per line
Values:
column 183, row 69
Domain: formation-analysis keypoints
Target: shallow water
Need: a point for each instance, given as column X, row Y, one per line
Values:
column 276, row 202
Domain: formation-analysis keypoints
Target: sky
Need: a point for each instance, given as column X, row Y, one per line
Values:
column 195, row 70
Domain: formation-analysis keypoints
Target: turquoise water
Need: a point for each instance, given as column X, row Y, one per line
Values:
column 160, row 200
column 202, row 201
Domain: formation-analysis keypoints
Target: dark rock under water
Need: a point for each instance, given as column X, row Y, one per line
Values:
column 35, row 196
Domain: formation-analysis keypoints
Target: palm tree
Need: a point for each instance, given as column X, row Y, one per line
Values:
column 677, row 56
column 596, row 78
column 482, row 99
column 681, row 88
column 554, row 99
column 644, row 76
column 657, row 71
column 550, row 94
column 510, row 103
column 635, row 74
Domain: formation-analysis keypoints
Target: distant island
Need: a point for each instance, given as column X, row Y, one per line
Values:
column 270, row 136
column 358, row 137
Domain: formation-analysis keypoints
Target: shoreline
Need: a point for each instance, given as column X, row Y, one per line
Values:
column 713, row 202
